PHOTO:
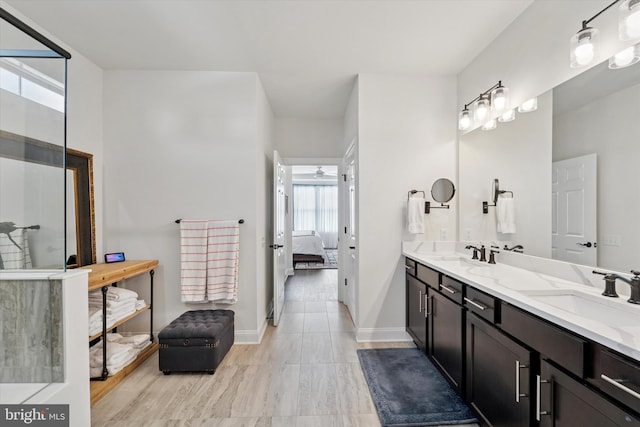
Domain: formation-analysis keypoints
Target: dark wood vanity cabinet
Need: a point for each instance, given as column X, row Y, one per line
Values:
column 445, row 333
column 498, row 375
column 416, row 311
column 513, row 367
column 564, row 402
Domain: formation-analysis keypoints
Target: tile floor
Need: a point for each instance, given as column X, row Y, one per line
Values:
column 305, row 372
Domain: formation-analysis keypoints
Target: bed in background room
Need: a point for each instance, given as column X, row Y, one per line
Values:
column 307, row 246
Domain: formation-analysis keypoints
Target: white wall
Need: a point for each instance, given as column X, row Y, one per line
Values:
column 303, row 137
column 508, row 153
column 407, row 140
column 186, row 145
column 608, row 127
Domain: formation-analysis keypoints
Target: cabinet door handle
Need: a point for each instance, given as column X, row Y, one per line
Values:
column 408, row 267
column 426, row 305
column 420, row 302
column 538, row 411
column 451, row 291
column 518, row 394
column 475, row 304
column 618, row 383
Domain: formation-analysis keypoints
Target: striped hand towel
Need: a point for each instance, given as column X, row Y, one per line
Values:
column 223, row 250
column 193, row 260
column 14, row 251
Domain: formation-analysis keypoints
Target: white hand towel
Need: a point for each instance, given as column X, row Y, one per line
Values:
column 505, row 215
column 415, row 215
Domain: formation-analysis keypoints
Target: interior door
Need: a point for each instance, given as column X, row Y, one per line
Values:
column 350, row 251
column 574, row 196
column 279, row 215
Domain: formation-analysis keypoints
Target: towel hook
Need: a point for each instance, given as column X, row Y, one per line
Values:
column 496, row 192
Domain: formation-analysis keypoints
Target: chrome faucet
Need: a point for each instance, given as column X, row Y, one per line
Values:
column 610, row 285
column 516, row 248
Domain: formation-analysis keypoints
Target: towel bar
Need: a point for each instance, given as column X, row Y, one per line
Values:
column 240, row 221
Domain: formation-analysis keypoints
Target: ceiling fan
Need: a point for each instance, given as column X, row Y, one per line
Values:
column 319, row 173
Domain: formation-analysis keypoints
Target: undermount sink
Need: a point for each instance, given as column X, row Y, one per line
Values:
column 459, row 261
column 610, row 311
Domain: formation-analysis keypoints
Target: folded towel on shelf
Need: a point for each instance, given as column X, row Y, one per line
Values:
column 137, row 341
column 114, row 294
column 415, row 215
column 505, row 215
column 113, row 305
column 140, row 304
column 96, row 371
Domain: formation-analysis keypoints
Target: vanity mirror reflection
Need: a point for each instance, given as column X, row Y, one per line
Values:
column 594, row 114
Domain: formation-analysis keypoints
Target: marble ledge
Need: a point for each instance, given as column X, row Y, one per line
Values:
column 42, row 274
column 518, row 286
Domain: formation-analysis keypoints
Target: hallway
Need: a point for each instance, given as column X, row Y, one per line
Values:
column 304, row 373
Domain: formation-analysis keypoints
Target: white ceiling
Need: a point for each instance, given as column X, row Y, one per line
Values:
column 307, row 53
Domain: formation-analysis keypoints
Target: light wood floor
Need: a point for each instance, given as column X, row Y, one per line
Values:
column 305, row 372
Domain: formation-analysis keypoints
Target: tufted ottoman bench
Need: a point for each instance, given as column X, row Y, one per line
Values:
column 196, row 341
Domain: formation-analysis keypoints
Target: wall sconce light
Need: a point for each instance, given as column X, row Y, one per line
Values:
column 528, row 106
column 584, row 44
column 494, row 99
column 625, row 57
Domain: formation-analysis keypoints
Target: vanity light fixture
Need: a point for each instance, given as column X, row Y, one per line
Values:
column 507, row 116
column 495, row 99
column 625, row 57
column 500, row 98
column 528, row 106
column 464, row 119
column 629, row 20
column 481, row 108
column 490, row 125
column 584, row 47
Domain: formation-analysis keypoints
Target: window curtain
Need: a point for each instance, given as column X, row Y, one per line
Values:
column 315, row 207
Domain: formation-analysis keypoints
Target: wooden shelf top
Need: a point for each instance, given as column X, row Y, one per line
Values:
column 105, row 274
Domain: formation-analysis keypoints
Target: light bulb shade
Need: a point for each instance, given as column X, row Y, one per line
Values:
column 490, row 125
column 507, row 116
column 584, row 47
column 629, row 20
column 528, row 106
column 481, row 108
column 625, row 58
column 499, row 99
column 464, row 119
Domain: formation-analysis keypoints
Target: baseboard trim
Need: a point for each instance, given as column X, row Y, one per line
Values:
column 382, row 334
column 249, row 336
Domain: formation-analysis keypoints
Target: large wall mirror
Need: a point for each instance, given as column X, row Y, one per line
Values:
column 585, row 127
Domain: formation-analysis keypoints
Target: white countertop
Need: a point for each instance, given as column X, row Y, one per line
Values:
column 518, row 286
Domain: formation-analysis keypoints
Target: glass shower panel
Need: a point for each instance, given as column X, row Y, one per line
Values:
column 32, row 153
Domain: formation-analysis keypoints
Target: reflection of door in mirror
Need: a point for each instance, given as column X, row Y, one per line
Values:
column 573, row 210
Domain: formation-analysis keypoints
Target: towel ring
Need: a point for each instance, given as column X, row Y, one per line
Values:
column 413, row 192
column 496, row 192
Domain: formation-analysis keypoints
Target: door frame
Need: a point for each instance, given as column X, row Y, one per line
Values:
column 314, row 161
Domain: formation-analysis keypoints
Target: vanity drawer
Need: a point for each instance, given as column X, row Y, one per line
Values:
column 564, row 348
column 410, row 266
column 452, row 289
column 619, row 378
column 482, row 304
column 428, row 276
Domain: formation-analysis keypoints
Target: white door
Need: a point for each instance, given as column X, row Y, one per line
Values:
column 350, row 254
column 279, row 211
column 574, row 194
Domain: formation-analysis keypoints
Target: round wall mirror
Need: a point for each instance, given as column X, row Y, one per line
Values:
column 443, row 190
